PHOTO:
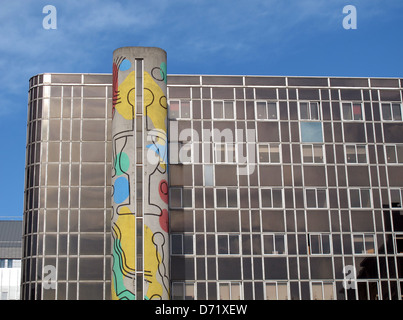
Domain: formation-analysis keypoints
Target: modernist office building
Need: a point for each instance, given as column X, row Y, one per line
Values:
column 279, row 187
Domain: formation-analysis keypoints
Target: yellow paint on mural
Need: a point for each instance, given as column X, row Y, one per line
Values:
column 155, row 102
column 125, row 106
column 127, row 227
column 151, row 260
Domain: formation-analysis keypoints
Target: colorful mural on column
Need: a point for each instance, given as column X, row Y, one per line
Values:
column 155, row 187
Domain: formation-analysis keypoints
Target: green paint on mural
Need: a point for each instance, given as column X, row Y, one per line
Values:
column 120, row 289
column 163, row 71
column 122, row 163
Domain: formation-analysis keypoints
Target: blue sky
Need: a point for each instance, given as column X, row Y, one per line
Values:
column 251, row 37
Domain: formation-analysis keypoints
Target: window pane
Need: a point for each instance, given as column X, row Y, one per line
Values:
column 229, row 109
column 187, row 198
column 311, row 132
column 261, row 110
column 315, row 244
column 347, row 114
column 189, row 291
column 310, row 198
column 272, row 110
column 321, row 196
column 271, row 291
column 303, row 110
column 274, row 153
column 222, row 242
column 263, row 153
column 174, row 109
column 280, row 247
column 188, row 244
column 235, row 291
column 314, row 111
column 232, row 198
column 221, row 200
column 307, row 153
column 399, row 154
column 350, row 154
column 369, row 243
column 277, row 198
column 391, row 154
column 208, row 175
column 230, row 152
column 224, row 291
column 358, row 244
column 282, row 291
column 365, row 198
column 218, row 109
column 175, row 197
column 357, row 111
column 266, row 198
column 177, row 291
column 185, row 109
column 317, row 291
column 397, row 112
column 328, row 291
column 318, row 154
column 233, row 244
column 268, row 244
column 386, row 113
column 355, row 198
column 361, row 154
column 325, row 243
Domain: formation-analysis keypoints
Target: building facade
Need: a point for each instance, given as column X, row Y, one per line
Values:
column 10, row 259
column 279, row 187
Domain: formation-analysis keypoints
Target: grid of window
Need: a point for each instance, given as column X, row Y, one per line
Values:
column 315, row 188
column 67, row 205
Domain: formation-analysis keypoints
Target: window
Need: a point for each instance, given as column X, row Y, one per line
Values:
column 360, row 198
column 228, row 244
column 271, row 198
column 321, row 290
column 399, row 242
column 352, row 111
column 396, row 196
column 208, row 175
column 311, row 132
column 356, row 154
column 368, row 290
column 364, row 243
column 223, row 110
column 182, row 244
column 316, row 198
column 2, row 263
column 225, row 152
column 180, row 152
column 226, row 197
column 269, row 153
column 181, row 197
column 229, row 291
column 312, row 153
column 179, row 109
column 319, row 243
column 274, row 244
column 394, row 153
column 183, row 291
column 276, row 290
column 309, row 111
column 391, row 111
column 266, row 110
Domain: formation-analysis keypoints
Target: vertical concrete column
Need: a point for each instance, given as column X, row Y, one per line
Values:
column 140, row 241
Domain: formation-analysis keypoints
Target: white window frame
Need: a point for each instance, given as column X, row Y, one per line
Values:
column 362, row 236
column 181, row 236
column 400, row 194
column 310, row 105
column 181, row 188
column 396, row 159
column 226, row 199
column 271, row 194
column 273, row 235
column 266, row 117
column 180, row 101
column 352, row 104
column 312, row 147
column 316, row 197
column 322, row 285
column 390, row 106
column 230, row 284
column 226, row 145
column 276, row 288
column 321, row 246
column 222, row 102
column 360, row 200
column 269, row 147
column 355, row 146
column 185, row 286
column 228, row 236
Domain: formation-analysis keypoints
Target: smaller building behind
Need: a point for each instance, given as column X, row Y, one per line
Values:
column 10, row 259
